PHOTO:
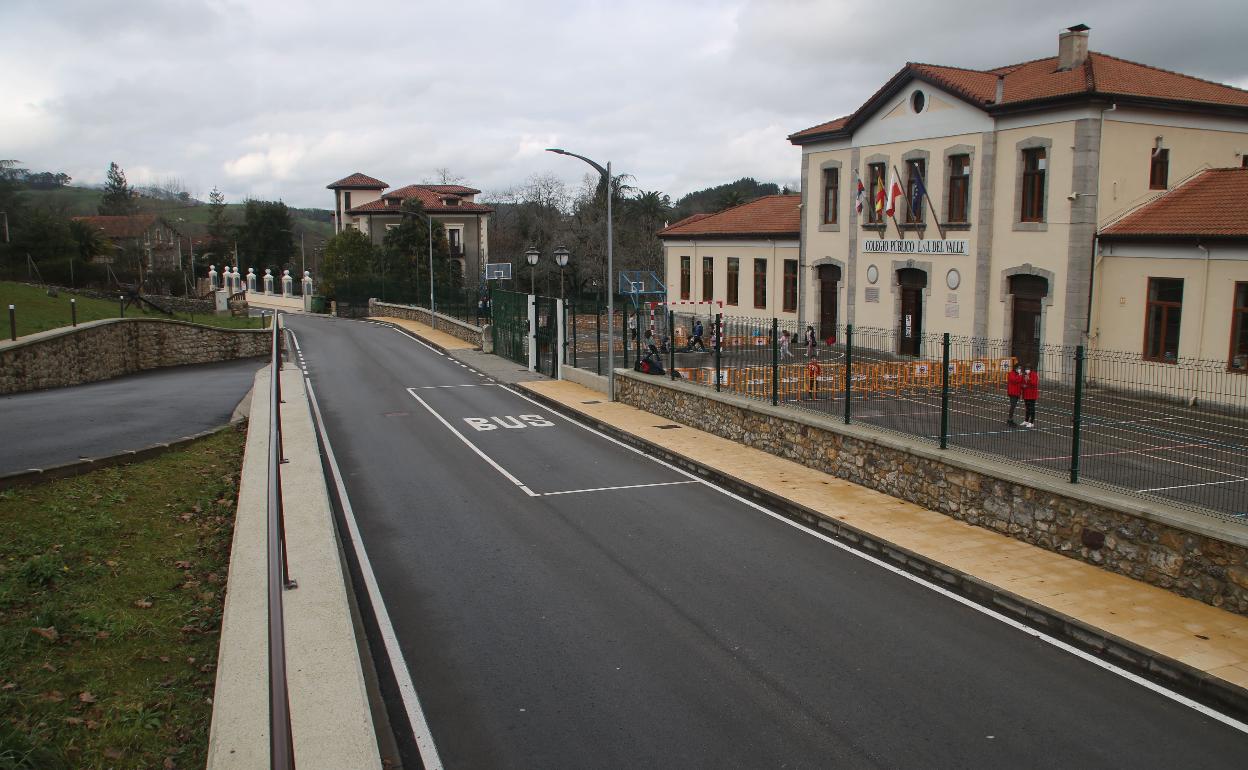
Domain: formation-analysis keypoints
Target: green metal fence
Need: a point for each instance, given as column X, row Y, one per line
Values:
column 510, row 316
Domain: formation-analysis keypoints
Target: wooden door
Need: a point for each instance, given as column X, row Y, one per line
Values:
column 829, row 280
column 1025, row 331
column 912, row 283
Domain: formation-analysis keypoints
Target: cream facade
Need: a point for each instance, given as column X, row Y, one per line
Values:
column 773, row 255
column 1009, row 269
column 1211, row 284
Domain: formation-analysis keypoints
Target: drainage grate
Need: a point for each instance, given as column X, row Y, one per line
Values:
column 591, row 402
column 666, row 427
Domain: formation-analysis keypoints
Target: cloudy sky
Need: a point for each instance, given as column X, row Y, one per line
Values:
column 276, row 99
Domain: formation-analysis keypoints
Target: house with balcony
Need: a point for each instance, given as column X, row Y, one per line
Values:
column 1010, row 181
column 362, row 203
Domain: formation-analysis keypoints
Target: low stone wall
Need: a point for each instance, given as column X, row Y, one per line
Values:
column 100, row 350
column 175, row 304
column 443, row 323
column 1192, row 555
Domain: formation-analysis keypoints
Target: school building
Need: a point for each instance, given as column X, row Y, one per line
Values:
column 1034, row 203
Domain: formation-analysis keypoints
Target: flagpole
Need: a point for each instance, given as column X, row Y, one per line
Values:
column 904, row 195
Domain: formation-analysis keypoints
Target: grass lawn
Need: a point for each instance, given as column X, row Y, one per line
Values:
column 37, row 312
column 111, row 592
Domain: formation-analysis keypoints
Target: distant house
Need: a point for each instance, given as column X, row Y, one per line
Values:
column 145, row 234
column 361, row 204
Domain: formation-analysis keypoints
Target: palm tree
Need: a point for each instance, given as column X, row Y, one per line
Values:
column 729, row 198
column 91, row 243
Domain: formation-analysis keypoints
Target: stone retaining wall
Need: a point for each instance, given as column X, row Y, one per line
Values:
column 443, row 323
column 1190, row 554
column 176, row 304
column 100, row 350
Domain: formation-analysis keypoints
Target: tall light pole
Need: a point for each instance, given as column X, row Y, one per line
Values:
column 606, row 177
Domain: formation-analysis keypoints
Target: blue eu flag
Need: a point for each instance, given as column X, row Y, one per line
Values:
column 916, row 197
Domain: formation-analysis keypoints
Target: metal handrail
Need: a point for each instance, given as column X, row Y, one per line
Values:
column 281, row 743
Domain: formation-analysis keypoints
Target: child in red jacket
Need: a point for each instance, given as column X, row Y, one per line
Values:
column 1031, row 393
column 1014, row 389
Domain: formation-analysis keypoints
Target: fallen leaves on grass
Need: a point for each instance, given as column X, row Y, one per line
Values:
column 48, row 633
column 86, row 697
column 143, row 604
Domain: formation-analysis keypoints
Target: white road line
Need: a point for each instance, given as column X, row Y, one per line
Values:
column 507, row 475
column 610, row 489
column 416, row 339
column 403, row 678
column 295, row 338
column 465, row 385
column 1174, row 696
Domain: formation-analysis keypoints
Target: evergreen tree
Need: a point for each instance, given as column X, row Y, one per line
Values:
column 349, row 256
column 266, row 236
column 118, row 198
column 219, row 227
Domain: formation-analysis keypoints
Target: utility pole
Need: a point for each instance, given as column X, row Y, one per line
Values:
column 303, row 257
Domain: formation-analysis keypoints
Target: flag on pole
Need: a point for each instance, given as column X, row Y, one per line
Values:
column 860, row 194
column 881, row 197
column 894, row 192
column 916, row 197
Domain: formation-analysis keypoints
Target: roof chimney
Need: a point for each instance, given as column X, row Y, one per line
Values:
column 1072, row 47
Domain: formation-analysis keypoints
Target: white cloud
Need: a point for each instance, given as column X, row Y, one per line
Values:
column 279, row 98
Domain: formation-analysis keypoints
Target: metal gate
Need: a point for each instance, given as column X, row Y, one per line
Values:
column 547, row 335
column 510, row 324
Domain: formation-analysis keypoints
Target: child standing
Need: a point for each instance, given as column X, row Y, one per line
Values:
column 1014, row 389
column 811, row 342
column 785, row 338
column 1031, row 394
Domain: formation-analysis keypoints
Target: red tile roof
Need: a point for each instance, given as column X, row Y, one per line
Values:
column 120, row 227
column 432, row 199
column 771, row 215
column 457, row 189
column 1209, row 205
column 1101, row 76
column 358, row 181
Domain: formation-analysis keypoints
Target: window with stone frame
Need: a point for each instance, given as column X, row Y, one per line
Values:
column 959, row 190
column 684, row 277
column 734, row 281
column 831, row 194
column 708, row 278
column 1035, row 163
column 760, row 283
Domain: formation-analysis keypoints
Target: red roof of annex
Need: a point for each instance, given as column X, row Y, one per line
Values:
column 358, row 181
column 1209, row 205
column 1035, row 82
column 771, row 216
column 439, row 199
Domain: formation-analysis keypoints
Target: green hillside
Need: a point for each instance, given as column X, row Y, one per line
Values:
column 315, row 224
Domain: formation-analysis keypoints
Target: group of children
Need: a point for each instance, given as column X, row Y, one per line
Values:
column 1023, row 382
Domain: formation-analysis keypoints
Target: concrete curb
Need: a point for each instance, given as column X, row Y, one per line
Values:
column 1190, row 681
column 413, row 335
column 79, row 467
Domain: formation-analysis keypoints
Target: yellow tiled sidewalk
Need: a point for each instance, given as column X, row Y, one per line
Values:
column 428, row 333
column 1204, row 637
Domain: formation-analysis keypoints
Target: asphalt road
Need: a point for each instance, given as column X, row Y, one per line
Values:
column 44, row 428
column 551, row 618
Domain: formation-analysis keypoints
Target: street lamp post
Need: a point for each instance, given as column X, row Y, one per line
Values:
column 561, row 257
column 606, row 176
column 531, row 256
